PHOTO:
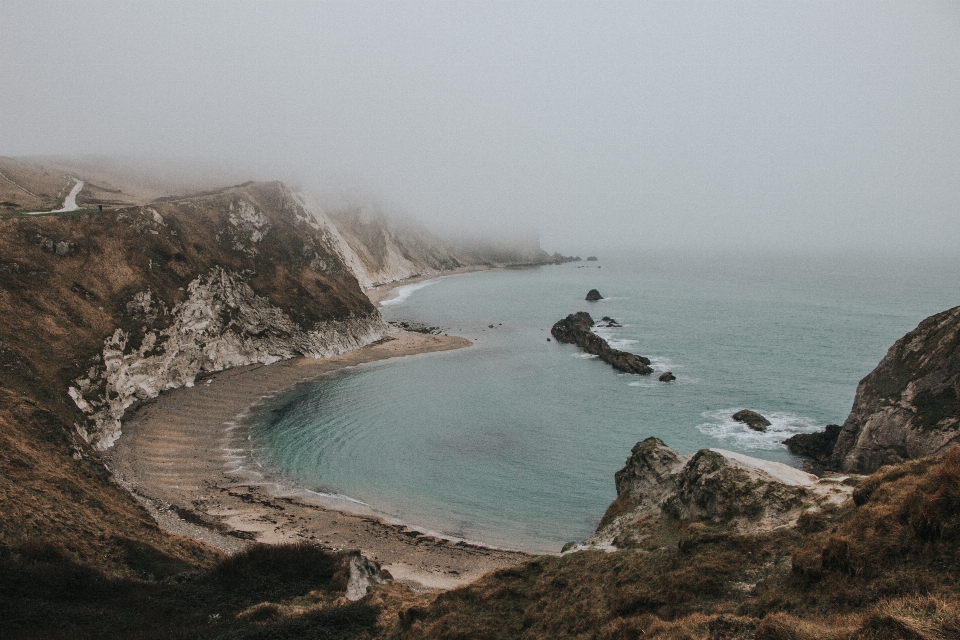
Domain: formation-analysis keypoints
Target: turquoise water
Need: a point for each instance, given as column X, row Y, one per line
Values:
column 514, row 441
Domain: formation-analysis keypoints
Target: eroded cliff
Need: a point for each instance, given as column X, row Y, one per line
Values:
column 909, row 406
column 104, row 310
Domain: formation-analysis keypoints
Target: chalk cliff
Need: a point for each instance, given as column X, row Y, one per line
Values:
column 104, row 310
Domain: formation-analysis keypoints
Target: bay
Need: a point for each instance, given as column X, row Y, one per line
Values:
column 514, row 442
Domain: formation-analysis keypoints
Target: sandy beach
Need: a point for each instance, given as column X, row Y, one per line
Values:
column 382, row 293
column 182, row 457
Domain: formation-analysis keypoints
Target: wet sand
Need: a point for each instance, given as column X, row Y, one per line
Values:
column 181, row 456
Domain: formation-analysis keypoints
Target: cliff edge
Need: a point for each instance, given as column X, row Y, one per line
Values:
column 908, row 406
column 103, row 310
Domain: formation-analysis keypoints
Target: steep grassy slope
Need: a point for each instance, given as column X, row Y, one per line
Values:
column 70, row 282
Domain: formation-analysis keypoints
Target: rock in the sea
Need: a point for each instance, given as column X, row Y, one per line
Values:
column 909, row 406
column 752, row 419
column 576, row 329
column 818, row 446
column 593, row 295
column 591, row 258
column 667, row 376
column 610, row 322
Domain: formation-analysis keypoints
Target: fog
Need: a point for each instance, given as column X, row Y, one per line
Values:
column 771, row 125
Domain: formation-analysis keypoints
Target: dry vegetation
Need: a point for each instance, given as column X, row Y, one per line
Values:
column 65, row 281
column 885, row 566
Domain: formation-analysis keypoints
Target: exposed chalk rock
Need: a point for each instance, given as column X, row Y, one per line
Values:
column 720, row 487
column 221, row 324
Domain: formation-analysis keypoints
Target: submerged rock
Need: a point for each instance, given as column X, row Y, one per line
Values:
column 752, row 419
column 577, row 329
column 667, row 376
column 593, row 295
column 909, row 406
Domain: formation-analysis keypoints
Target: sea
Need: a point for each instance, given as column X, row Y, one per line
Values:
column 514, row 441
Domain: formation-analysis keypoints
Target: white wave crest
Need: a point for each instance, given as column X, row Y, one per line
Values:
column 404, row 292
column 782, row 425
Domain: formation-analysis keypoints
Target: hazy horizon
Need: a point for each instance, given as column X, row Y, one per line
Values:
column 758, row 125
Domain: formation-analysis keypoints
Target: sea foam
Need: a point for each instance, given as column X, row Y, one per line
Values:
column 404, row 292
column 782, row 425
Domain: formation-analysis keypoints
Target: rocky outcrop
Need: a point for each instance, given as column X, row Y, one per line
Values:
column 667, row 376
column 221, row 324
column 147, row 298
column 752, row 419
column 593, row 295
column 718, row 487
column 909, row 406
column 576, row 329
column 816, row 446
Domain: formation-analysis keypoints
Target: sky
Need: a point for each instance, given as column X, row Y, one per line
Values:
column 660, row 125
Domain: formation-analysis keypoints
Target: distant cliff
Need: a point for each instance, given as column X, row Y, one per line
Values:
column 908, row 406
column 381, row 249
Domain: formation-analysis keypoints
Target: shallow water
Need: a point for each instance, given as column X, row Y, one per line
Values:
column 514, row 442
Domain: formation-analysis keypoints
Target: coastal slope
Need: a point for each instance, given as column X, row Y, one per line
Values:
column 104, row 310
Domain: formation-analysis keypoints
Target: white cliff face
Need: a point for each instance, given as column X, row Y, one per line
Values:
column 318, row 219
column 392, row 267
column 222, row 323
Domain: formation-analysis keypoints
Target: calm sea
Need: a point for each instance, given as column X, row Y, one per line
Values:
column 514, row 442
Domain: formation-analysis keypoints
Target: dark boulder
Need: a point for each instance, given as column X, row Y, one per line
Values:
column 593, row 295
column 818, row 446
column 591, row 258
column 752, row 419
column 576, row 329
column 667, row 376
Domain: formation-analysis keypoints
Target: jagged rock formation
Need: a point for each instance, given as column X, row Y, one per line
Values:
column 752, row 419
column 576, row 329
column 817, row 446
column 667, row 376
column 745, row 494
column 909, row 406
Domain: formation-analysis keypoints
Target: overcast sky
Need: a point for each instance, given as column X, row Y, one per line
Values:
column 659, row 124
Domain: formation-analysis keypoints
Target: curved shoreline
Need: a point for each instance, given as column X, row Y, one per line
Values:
column 178, row 457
